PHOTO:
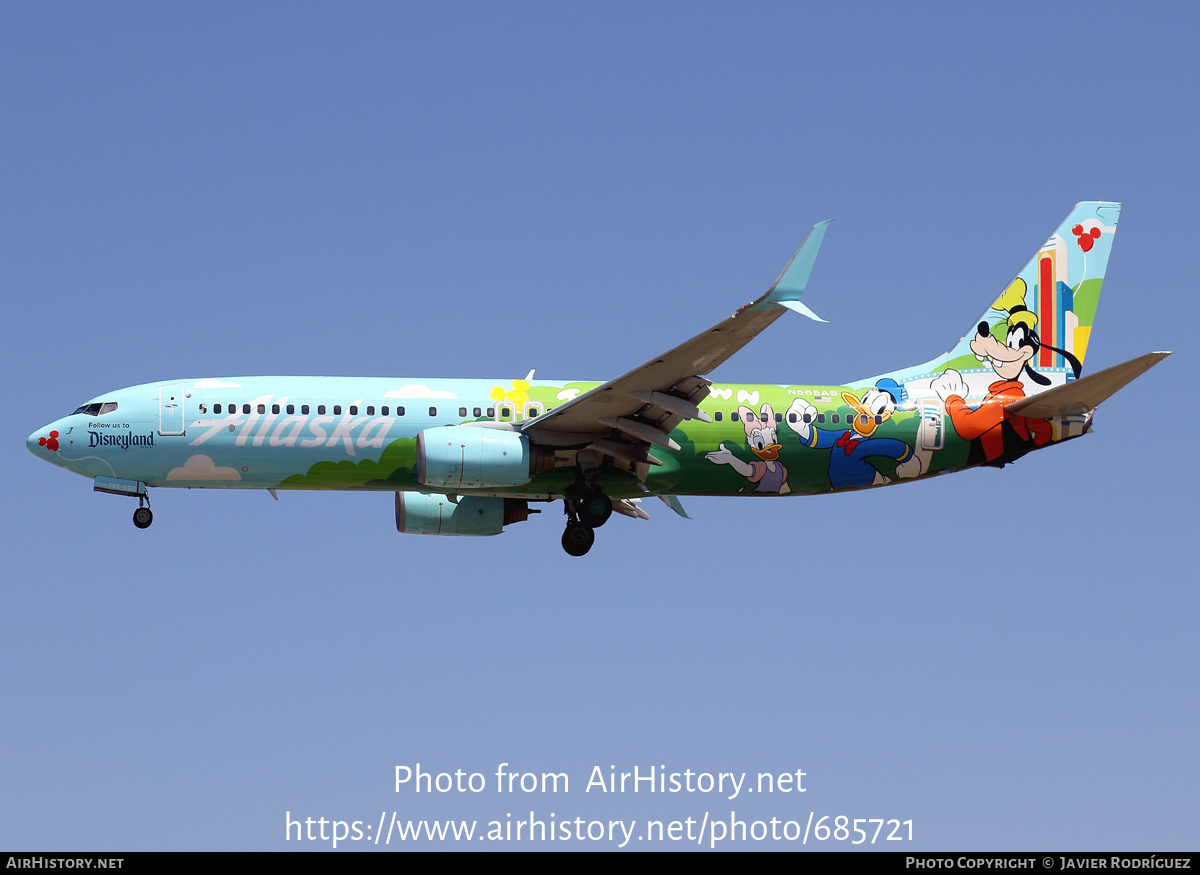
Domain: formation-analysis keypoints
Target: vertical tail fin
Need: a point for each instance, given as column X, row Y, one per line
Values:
column 1058, row 289
column 1037, row 330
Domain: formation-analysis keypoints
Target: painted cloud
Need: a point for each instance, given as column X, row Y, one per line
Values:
column 201, row 467
column 416, row 390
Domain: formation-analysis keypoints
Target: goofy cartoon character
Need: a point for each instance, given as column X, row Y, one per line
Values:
column 766, row 472
column 994, row 433
column 849, row 467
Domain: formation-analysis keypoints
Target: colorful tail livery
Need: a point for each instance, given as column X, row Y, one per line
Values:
column 469, row 457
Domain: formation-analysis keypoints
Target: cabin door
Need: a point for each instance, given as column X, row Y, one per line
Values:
column 933, row 424
column 170, row 410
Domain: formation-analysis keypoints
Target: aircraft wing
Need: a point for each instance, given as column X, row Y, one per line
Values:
column 1085, row 394
column 626, row 416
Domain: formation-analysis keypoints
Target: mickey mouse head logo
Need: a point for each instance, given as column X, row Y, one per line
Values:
column 1086, row 239
column 50, row 443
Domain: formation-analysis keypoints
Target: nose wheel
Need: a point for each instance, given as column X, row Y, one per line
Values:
column 142, row 517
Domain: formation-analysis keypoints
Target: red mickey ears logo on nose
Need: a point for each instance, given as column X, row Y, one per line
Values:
column 50, row 443
column 1086, row 239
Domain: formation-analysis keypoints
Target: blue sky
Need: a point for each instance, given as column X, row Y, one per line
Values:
column 1007, row 658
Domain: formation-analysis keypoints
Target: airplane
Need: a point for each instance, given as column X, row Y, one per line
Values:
column 469, row 457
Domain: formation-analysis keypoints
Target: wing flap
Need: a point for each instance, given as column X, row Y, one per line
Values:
column 629, row 507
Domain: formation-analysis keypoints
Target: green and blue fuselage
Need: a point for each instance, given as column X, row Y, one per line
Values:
column 292, row 432
column 465, row 457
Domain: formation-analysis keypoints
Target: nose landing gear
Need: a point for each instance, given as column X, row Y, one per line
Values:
column 142, row 517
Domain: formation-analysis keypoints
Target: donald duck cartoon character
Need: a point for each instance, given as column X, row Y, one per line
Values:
column 850, row 450
column 994, row 432
column 762, row 438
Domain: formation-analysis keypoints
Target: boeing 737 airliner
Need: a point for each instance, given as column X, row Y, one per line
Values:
column 469, row 457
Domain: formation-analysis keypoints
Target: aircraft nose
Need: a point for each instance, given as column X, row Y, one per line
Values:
column 43, row 441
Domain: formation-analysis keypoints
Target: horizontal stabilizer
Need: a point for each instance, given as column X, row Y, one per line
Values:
column 1086, row 393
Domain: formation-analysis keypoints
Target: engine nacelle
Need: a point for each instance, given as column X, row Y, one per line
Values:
column 420, row 514
column 454, row 457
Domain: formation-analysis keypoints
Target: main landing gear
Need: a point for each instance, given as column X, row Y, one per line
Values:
column 585, row 514
column 578, row 538
column 142, row 517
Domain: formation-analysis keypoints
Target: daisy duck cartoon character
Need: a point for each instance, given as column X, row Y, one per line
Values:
column 762, row 437
column 851, row 450
column 993, row 431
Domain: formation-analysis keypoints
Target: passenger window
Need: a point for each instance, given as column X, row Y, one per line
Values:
column 836, row 419
column 477, row 412
column 245, row 408
column 304, row 409
column 291, row 408
column 433, row 411
column 808, row 418
column 492, row 412
column 733, row 417
column 878, row 419
column 534, row 410
column 399, row 411
column 779, row 417
column 262, row 408
column 462, row 411
column 791, row 417
column 204, row 408
column 337, row 410
column 274, row 408
column 717, row 416
column 320, row 409
column 354, row 410
column 370, row 410
column 821, row 418
column 216, row 408
column 505, row 412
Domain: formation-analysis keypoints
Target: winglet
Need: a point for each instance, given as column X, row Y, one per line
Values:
column 791, row 283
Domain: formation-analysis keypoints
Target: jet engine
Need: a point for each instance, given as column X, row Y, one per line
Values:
column 454, row 457
column 418, row 513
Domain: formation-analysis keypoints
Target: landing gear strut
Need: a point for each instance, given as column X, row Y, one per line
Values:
column 142, row 517
column 585, row 514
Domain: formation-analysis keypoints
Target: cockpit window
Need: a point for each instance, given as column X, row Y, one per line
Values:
column 97, row 408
